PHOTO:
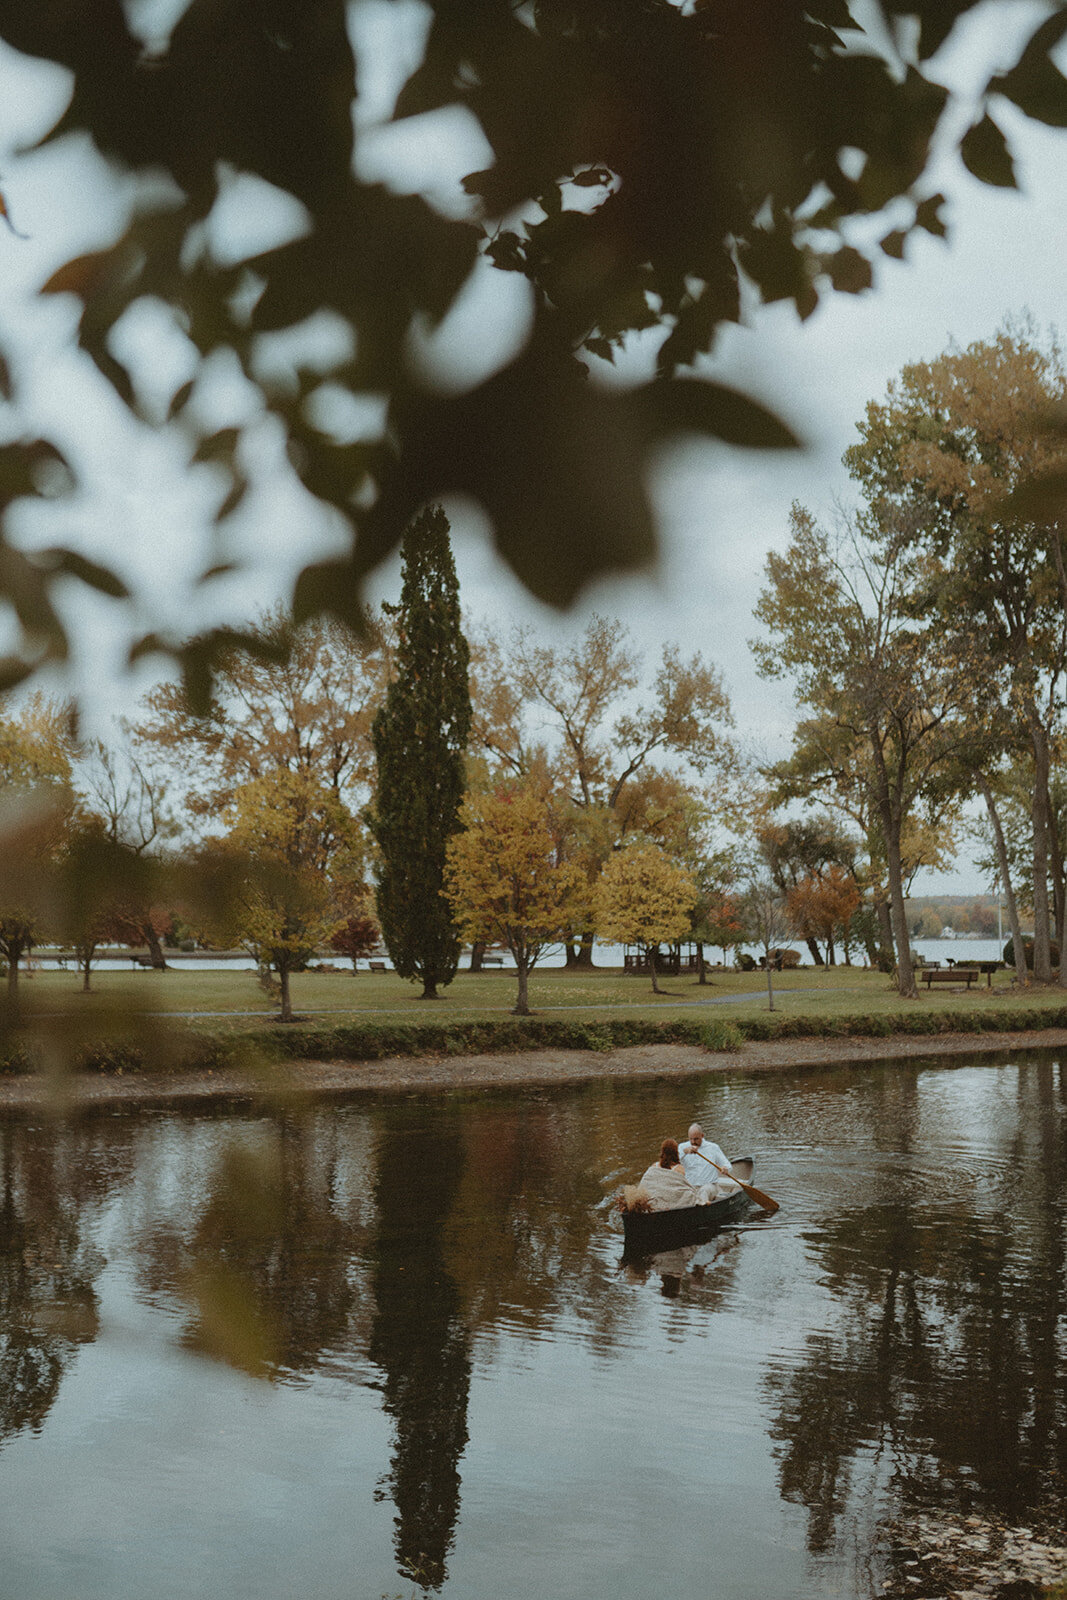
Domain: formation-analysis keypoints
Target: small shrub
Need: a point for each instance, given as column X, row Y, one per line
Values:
column 721, row 1036
column 1028, row 951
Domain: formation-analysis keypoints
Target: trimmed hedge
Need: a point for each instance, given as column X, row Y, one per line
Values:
column 194, row 1051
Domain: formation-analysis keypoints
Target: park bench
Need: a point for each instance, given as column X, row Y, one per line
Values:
column 376, row 966
column 966, row 975
column 492, row 961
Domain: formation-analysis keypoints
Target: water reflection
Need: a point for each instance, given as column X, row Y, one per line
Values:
column 419, row 1338
column 437, row 1282
column 945, row 1350
column 48, row 1304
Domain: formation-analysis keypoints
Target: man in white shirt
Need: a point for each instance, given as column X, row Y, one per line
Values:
column 696, row 1152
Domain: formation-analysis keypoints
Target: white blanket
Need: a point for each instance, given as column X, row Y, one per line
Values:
column 671, row 1191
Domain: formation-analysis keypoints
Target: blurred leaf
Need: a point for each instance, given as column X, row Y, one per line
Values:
column 30, row 467
column 893, row 244
column 84, row 275
column 180, row 399
column 238, row 491
column 332, row 589
column 928, row 215
column 231, row 1324
column 715, row 409
column 6, row 385
column 850, row 271
column 218, row 446
column 67, row 563
column 1035, row 84
column 985, row 153
column 558, row 464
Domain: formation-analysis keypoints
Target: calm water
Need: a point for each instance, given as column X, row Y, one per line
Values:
column 462, row 1390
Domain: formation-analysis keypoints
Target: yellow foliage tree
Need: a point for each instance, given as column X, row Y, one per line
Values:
column 505, row 880
column 36, row 750
column 290, row 834
column 642, row 898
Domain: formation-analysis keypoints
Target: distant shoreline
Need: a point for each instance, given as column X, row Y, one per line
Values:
column 406, row 1075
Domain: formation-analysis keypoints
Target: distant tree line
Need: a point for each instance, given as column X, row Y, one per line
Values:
column 399, row 785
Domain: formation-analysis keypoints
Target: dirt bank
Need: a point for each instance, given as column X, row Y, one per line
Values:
column 406, row 1075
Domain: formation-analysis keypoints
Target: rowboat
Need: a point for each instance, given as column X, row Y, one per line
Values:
column 646, row 1232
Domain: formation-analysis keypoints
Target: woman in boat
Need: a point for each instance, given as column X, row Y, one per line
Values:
column 666, row 1184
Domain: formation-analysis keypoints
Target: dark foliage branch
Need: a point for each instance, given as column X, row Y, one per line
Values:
column 647, row 159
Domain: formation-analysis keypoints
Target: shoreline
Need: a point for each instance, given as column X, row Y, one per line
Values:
column 341, row 1080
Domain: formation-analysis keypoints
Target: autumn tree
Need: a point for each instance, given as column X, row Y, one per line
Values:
column 420, row 736
column 284, row 699
column 940, row 458
column 821, row 906
column 642, row 898
column 722, row 921
column 37, row 746
column 837, row 607
column 766, row 920
column 129, row 796
column 285, row 835
column 631, row 758
column 505, row 881
column 96, row 879
column 800, row 851
column 358, row 935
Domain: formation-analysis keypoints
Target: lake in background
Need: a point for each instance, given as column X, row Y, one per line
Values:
column 466, row 1390
column 604, row 955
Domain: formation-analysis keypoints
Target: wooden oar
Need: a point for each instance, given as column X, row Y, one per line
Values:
column 758, row 1195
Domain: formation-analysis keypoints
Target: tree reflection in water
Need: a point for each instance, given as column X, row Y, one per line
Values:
column 947, row 1354
column 419, row 1338
column 48, row 1305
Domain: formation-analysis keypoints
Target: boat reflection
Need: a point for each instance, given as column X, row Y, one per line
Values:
column 686, row 1266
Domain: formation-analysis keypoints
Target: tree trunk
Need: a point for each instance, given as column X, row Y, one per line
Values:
column 1039, row 819
column 814, row 951
column 522, row 999
column 429, row 989
column 1004, row 870
column 85, row 963
column 477, row 952
column 155, row 949
column 702, row 968
column 885, row 932
column 286, row 1001
column 1056, row 874
column 891, row 825
column 652, row 951
column 13, row 980
column 583, row 955
column 770, row 981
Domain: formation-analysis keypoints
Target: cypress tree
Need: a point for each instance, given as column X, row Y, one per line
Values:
column 420, row 735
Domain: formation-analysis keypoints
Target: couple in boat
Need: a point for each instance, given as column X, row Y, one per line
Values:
column 686, row 1175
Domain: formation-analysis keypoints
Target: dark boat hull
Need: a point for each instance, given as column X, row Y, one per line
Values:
column 647, row 1232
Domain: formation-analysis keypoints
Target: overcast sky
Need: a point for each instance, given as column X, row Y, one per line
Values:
column 721, row 510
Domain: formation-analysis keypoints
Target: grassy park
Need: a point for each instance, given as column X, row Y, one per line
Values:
column 220, row 1004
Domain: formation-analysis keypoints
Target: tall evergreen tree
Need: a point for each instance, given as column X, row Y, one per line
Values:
column 420, row 735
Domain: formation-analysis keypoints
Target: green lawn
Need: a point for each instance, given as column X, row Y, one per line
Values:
column 385, row 998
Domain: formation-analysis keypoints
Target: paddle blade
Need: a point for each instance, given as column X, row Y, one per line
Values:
column 761, row 1199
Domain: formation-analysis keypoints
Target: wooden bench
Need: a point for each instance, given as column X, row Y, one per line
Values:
column 966, row 975
column 492, row 961
column 376, row 966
